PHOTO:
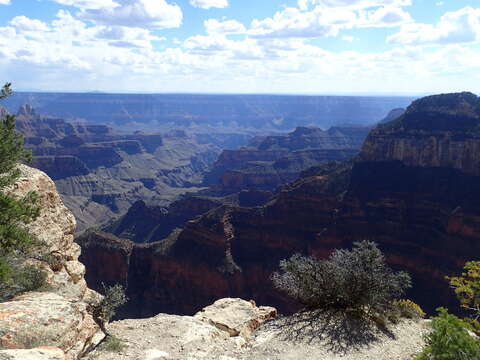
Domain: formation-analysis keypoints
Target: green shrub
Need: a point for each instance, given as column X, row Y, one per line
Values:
column 105, row 309
column 357, row 282
column 408, row 309
column 22, row 278
column 449, row 339
column 111, row 344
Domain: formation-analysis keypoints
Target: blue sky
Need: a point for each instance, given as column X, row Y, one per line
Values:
column 241, row 46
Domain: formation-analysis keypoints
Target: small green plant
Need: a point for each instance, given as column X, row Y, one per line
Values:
column 408, row 309
column 112, row 344
column 356, row 282
column 449, row 339
column 104, row 310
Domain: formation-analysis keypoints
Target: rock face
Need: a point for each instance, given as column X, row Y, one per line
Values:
column 59, row 317
column 274, row 160
column 424, row 216
column 432, row 135
column 149, row 223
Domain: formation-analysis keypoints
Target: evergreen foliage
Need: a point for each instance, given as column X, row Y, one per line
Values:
column 15, row 212
column 449, row 339
column 356, row 282
column 467, row 287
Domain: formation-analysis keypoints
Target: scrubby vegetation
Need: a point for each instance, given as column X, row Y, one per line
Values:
column 452, row 338
column 357, row 282
column 449, row 340
column 105, row 309
column 405, row 308
column 16, row 243
column 111, row 344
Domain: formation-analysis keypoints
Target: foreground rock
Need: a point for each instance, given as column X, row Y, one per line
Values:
column 46, row 319
column 234, row 329
column 58, row 318
column 221, row 328
column 235, row 316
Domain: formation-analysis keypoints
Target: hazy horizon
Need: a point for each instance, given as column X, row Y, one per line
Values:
column 359, row 94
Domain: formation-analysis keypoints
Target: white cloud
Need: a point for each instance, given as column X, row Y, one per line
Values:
column 207, row 4
column 324, row 21
column 213, row 26
column 387, row 17
column 353, row 4
column 126, row 37
column 154, row 14
column 292, row 22
column 24, row 23
column 462, row 26
column 348, row 38
column 89, row 4
column 4, row 2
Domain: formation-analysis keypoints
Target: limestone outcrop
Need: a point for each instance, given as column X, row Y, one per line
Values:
column 57, row 318
column 236, row 316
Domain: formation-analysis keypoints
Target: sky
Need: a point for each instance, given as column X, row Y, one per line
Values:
column 241, row 46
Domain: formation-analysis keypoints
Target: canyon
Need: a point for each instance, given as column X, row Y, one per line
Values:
column 101, row 172
column 247, row 176
column 413, row 189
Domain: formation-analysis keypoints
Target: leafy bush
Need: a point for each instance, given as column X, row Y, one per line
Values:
column 356, row 281
column 449, row 340
column 408, row 309
column 105, row 309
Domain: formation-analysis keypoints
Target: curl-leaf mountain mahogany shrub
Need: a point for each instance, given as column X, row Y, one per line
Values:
column 356, row 281
column 15, row 212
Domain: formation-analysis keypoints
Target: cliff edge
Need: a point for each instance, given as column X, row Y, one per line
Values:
column 54, row 324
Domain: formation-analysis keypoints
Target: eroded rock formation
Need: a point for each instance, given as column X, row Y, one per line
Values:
column 274, row 160
column 57, row 318
column 100, row 173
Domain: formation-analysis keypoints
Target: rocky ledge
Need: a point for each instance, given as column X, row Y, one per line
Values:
column 53, row 324
column 235, row 329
